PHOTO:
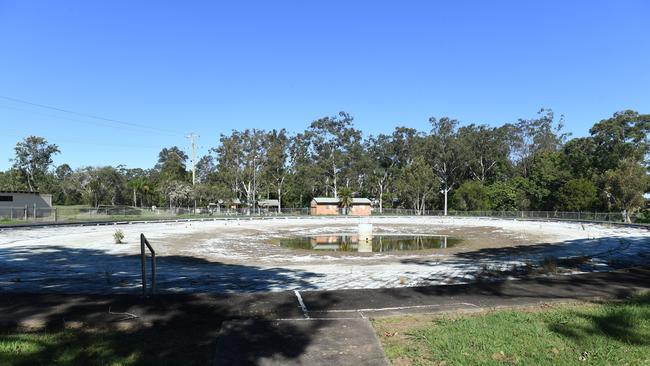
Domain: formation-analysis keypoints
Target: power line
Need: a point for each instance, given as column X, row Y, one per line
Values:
column 67, row 140
column 87, row 115
column 81, row 121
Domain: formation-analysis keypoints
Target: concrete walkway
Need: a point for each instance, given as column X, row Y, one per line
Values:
column 333, row 342
column 315, row 328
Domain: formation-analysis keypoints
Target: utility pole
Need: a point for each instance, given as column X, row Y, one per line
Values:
column 192, row 136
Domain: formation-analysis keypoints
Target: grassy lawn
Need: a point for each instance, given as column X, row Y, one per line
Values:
column 91, row 347
column 10, row 222
column 581, row 334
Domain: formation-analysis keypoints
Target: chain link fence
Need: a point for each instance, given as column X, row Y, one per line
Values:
column 67, row 214
column 551, row 215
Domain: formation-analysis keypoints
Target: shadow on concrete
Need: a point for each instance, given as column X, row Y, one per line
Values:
column 169, row 330
column 83, row 270
column 57, row 288
column 524, row 291
column 623, row 248
column 579, row 255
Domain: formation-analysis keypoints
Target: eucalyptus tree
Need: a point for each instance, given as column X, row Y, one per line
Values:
column 486, row 150
column 205, row 167
column 388, row 155
column 303, row 177
column 380, row 152
column 276, row 167
column 33, row 158
column 101, row 185
column 332, row 141
column 624, row 187
column 532, row 136
column 229, row 162
column 445, row 154
column 624, row 136
column 253, row 159
column 416, row 184
column 579, row 156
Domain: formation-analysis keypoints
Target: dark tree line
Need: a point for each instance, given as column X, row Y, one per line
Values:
column 530, row 164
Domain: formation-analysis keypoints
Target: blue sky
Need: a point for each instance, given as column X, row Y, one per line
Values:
column 210, row 66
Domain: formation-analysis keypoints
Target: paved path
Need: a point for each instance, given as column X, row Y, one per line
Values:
column 308, row 324
column 333, row 342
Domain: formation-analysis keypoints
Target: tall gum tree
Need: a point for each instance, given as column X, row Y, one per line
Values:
column 445, row 154
column 332, row 139
column 276, row 169
column 33, row 158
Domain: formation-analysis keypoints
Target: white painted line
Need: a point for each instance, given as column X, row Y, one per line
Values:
column 391, row 308
column 302, row 304
column 314, row 319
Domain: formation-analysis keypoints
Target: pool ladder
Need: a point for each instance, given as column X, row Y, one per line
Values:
column 143, row 261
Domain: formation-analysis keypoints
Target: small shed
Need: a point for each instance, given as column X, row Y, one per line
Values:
column 268, row 205
column 234, row 204
column 25, row 203
column 324, row 206
column 360, row 207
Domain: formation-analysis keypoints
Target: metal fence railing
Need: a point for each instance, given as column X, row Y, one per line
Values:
column 556, row 215
column 71, row 214
column 22, row 215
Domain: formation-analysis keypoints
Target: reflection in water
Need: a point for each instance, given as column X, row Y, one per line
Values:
column 369, row 243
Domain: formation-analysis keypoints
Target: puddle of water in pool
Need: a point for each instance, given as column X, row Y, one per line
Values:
column 369, row 243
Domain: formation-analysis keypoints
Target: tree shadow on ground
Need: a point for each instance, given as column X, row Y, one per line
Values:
column 623, row 248
column 82, row 270
column 170, row 329
column 619, row 321
column 524, row 261
column 57, row 288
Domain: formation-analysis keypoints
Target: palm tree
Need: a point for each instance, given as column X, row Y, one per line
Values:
column 138, row 184
column 345, row 199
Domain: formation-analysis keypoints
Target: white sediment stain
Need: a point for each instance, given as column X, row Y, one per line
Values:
column 213, row 256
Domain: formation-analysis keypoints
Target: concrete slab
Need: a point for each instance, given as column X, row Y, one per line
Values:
column 314, row 342
column 525, row 291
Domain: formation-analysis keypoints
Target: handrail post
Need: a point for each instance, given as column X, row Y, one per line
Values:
column 153, row 272
column 143, row 263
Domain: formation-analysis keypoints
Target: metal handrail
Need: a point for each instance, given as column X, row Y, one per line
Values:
column 143, row 261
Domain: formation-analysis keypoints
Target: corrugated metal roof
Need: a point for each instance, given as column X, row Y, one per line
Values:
column 328, row 200
column 268, row 203
column 331, row 200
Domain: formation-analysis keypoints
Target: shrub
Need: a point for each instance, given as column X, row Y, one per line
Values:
column 509, row 196
column 118, row 235
column 577, row 195
column 471, row 196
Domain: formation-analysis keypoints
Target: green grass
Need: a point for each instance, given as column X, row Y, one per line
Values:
column 10, row 222
column 166, row 346
column 601, row 334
